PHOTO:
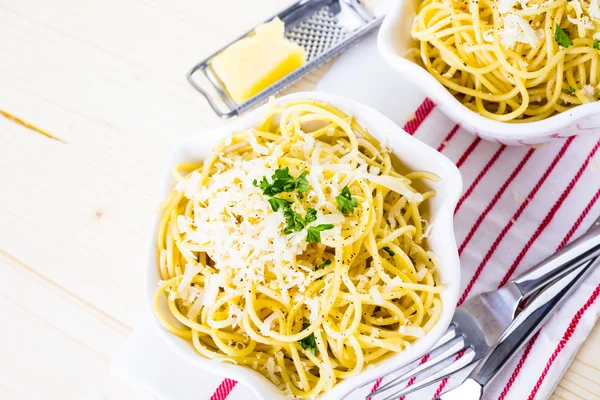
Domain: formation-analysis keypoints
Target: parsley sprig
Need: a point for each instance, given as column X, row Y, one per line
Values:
column 346, row 202
column 321, row 266
column 277, row 203
column 313, row 234
column 295, row 222
column 562, row 37
column 570, row 89
column 596, row 45
column 282, row 182
column 309, row 342
column 389, row 251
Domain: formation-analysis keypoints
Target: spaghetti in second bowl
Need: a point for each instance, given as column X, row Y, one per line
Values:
column 298, row 249
column 509, row 60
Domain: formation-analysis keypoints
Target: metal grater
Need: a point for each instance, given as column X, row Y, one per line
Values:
column 324, row 28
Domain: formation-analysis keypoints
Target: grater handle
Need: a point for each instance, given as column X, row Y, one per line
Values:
column 223, row 111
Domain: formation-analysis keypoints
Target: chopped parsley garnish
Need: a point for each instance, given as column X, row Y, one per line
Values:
column 562, row 37
column 295, row 222
column 313, row 234
column 277, row 203
column 302, row 183
column 309, row 342
column 389, row 251
column 311, row 215
column 596, row 45
column 282, row 182
column 264, row 183
column 570, row 89
column 321, row 266
column 346, row 202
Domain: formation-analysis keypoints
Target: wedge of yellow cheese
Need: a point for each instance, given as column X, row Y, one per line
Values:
column 252, row 64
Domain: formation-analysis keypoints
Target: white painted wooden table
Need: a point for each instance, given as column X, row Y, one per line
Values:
column 105, row 80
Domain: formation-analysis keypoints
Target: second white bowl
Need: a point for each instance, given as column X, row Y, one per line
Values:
column 394, row 40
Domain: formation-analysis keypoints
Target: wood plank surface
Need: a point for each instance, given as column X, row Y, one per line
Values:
column 106, row 80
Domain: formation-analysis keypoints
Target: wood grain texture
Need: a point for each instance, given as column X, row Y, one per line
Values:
column 107, row 78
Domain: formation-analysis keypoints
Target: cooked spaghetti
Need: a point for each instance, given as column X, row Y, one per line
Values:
column 512, row 60
column 298, row 250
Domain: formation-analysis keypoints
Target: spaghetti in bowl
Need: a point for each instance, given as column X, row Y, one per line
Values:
column 519, row 72
column 295, row 253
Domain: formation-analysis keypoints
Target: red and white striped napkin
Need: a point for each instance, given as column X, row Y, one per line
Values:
column 520, row 205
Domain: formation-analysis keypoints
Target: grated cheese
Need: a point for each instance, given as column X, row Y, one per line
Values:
column 190, row 271
column 190, row 185
column 211, row 288
column 395, row 185
column 258, row 148
column 488, row 36
column 374, row 170
column 313, row 304
column 270, row 366
column 428, row 230
column 376, row 295
column 265, row 329
column 184, row 224
column 195, row 299
column 236, row 314
column 298, row 383
column 517, row 197
column 582, row 22
column 588, row 93
column 517, row 30
column 505, row 6
column 594, row 12
column 414, row 331
column 392, row 284
column 370, row 272
column 421, row 272
column 313, row 178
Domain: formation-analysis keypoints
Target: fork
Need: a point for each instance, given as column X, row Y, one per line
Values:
column 521, row 330
column 480, row 321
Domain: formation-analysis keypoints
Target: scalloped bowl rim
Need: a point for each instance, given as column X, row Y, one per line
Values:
column 431, row 86
column 404, row 146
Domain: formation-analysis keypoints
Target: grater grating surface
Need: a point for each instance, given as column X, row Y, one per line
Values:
column 317, row 33
column 324, row 28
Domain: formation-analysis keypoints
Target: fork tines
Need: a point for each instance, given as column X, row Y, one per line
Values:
column 449, row 356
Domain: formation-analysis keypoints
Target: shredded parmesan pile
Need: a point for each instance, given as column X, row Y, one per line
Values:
column 235, row 224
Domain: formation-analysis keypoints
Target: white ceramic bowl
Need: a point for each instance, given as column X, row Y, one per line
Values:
column 394, row 40
column 415, row 155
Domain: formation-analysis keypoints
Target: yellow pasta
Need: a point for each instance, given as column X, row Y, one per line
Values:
column 297, row 249
column 509, row 60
